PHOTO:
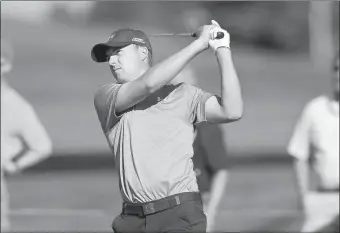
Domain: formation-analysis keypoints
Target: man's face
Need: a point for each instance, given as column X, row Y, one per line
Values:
column 336, row 76
column 125, row 63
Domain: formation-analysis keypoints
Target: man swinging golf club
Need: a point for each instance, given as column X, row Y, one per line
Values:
column 149, row 125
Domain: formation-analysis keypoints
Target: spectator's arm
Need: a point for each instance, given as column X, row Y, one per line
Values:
column 299, row 148
column 36, row 138
column 217, row 190
column 218, row 187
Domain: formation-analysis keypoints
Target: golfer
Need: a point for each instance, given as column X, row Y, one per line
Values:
column 149, row 125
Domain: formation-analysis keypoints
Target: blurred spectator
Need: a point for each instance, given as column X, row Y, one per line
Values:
column 317, row 134
column 24, row 141
column 210, row 162
column 332, row 227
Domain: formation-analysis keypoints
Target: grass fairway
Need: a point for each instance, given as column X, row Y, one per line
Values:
column 259, row 198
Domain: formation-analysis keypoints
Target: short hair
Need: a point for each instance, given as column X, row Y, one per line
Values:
column 150, row 61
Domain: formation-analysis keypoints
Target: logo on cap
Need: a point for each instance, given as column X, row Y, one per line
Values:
column 138, row 40
column 111, row 37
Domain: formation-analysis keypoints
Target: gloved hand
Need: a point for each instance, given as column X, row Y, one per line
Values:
column 214, row 44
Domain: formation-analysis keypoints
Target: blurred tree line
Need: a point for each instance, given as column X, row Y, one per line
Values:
column 274, row 24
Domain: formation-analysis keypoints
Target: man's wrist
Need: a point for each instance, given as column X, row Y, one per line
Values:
column 200, row 45
column 223, row 53
column 221, row 48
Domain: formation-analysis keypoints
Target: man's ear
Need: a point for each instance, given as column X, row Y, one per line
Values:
column 143, row 52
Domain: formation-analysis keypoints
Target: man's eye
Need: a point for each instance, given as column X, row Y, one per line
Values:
column 109, row 53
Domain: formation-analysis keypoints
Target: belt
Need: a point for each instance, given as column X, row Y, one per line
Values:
column 144, row 209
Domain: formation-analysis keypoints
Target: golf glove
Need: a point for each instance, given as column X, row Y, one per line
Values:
column 218, row 43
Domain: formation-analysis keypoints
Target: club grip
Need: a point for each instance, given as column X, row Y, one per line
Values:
column 220, row 35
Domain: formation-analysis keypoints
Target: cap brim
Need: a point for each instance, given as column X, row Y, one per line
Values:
column 99, row 51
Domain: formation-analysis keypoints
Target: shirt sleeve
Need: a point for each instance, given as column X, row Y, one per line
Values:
column 197, row 98
column 34, row 133
column 300, row 143
column 104, row 102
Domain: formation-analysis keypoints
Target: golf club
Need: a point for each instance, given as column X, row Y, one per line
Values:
column 220, row 35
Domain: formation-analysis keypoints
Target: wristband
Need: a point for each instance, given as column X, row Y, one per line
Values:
column 223, row 46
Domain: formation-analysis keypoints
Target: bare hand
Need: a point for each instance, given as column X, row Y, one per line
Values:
column 10, row 167
column 205, row 34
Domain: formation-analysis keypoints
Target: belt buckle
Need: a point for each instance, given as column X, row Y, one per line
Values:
column 177, row 200
column 149, row 208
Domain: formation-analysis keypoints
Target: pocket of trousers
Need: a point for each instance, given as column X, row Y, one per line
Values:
column 115, row 224
column 192, row 213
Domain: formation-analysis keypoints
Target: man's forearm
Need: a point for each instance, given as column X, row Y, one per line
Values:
column 163, row 72
column 231, row 96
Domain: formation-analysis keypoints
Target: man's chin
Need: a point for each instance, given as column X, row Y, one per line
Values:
column 121, row 80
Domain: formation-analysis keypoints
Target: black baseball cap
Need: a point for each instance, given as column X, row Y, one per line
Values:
column 119, row 39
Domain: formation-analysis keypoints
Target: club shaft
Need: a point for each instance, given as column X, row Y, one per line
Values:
column 174, row 34
column 219, row 34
